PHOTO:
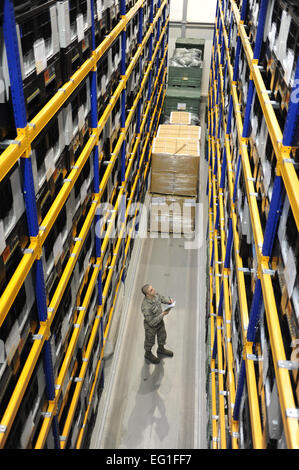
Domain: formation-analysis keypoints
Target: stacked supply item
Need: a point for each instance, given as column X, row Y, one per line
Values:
column 175, row 162
column 182, row 99
column 172, row 214
column 175, row 167
column 185, row 68
column 174, row 179
column 180, row 117
column 186, row 133
column 191, row 43
column 185, row 77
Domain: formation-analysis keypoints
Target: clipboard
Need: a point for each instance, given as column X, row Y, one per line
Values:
column 167, row 307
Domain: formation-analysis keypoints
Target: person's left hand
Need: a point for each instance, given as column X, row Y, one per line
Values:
column 170, row 301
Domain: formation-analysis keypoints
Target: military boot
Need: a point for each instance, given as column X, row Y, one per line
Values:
column 150, row 357
column 164, row 352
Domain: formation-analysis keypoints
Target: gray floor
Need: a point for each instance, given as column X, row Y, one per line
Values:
column 146, row 406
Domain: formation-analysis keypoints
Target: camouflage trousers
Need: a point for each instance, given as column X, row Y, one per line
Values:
column 151, row 333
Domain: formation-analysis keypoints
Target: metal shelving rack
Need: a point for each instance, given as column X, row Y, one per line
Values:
column 237, row 371
column 152, row 82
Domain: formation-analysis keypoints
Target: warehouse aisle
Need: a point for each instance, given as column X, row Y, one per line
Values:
column 159, row 406
column 152, row 406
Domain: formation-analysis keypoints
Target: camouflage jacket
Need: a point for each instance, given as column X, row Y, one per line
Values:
column 152, row 310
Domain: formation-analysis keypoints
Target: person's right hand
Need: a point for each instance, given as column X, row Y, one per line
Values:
column 166, row 311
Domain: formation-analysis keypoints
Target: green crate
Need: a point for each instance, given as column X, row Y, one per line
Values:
column 182, row 99
column 185, row 76
column 191, row 43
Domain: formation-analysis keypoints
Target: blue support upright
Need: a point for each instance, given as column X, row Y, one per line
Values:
column 229, row 244
column 223, row 169
column 123, row 96
column 229, row 118
column 138, row 123
column 239, row 392
column 123, row 114
column 149, row 82
column 19, row 109
column 96, row 171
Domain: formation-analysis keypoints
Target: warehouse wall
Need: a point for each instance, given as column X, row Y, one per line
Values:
column 193, row 19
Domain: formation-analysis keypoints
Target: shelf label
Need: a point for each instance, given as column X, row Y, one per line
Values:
column 57, row 248
column 2, row 237
column 12, row 342
column 49, row 164
column 290, row 272
column 182, row 107
column 80, row 27
column 40, row 57
column 2, row 91
column 99, row 9
column 27, row 430
column 81, row 117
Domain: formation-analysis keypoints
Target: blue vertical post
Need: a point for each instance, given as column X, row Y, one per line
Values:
column 123, row 97
column 96, row 170
column 150, row 82
column 158, row 60
column 240, row 387
column 16, row 84
column 163, row 44
column 223, row 169
column 123, row 117
column 159, row 54
column 138, row 124
column 123, row 113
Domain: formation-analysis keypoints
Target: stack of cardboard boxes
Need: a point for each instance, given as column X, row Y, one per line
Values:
column 174, row 177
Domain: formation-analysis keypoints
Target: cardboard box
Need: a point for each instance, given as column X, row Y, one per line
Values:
column 180, row 117
column 172, row 214
column 186, row 132
column 175, row 166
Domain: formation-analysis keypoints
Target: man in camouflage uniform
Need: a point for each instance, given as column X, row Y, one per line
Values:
column 154, row 323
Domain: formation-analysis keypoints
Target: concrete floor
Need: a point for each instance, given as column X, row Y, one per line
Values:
column 146, row 406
